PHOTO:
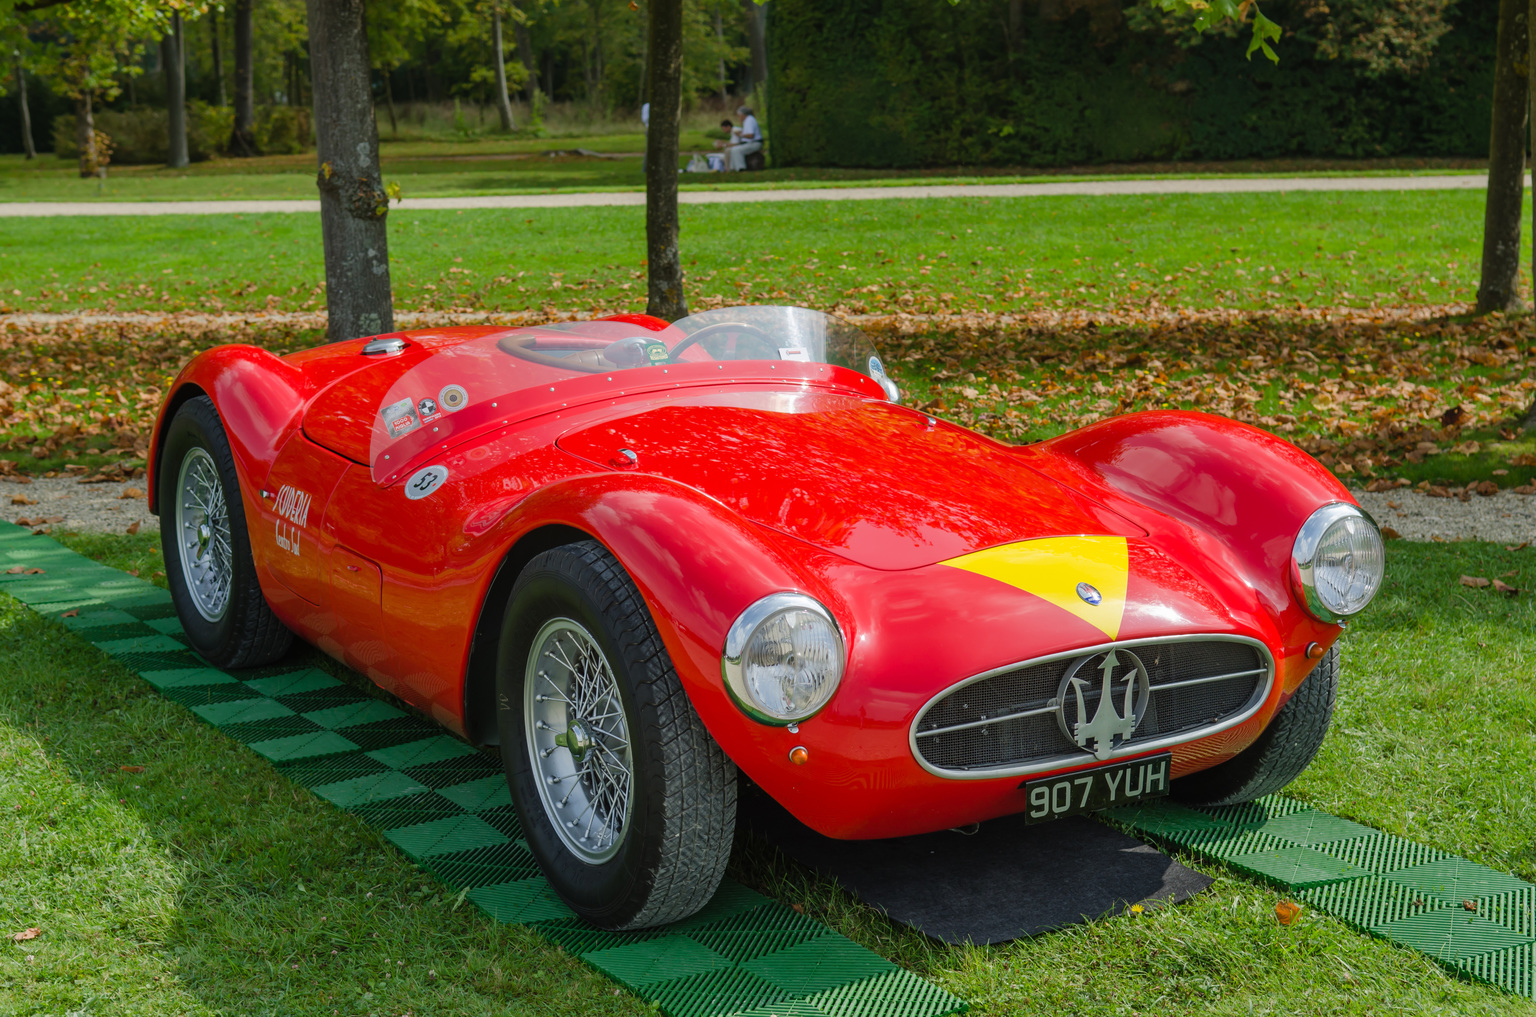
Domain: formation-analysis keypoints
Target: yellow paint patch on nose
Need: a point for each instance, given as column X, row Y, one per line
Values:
column 1052, row 567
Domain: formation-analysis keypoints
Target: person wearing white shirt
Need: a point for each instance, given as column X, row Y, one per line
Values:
column 751, row 140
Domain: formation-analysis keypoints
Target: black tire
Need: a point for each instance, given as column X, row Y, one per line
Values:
column 1286, row 747
column 682, row 800
column 247, row 634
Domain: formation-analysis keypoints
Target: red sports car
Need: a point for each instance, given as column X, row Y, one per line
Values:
column 638, row 556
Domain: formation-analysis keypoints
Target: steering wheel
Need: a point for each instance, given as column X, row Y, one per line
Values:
column 728, row 326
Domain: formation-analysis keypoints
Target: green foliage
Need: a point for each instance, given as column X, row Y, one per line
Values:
column 283, row 130
column 901, row 83
column 139, row 134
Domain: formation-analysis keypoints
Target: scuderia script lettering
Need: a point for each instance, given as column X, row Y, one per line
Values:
column 292, row 509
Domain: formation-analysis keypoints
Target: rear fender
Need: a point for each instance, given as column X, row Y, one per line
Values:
column 260, row 398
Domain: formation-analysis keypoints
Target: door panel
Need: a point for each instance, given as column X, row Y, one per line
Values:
column 286, row 535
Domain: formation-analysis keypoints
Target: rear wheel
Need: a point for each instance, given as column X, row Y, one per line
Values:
column 207, row 548
column 626, row 801
column 1281, row 753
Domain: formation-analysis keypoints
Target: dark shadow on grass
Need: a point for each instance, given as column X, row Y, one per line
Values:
column 282, row 903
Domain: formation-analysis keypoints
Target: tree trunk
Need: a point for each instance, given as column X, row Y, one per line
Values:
column 1499, row 288
column 527, row 59
column 218, row 56
column 242, row 141
column 389, row 97
column 664, row 281
column 503, row 104
column 175, row 96
column 353, row 204
column 26, row 113
column 85, row 136
column 720, row 40
column 757, row 41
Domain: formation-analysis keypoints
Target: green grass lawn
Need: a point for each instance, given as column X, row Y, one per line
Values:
column 206, row 883
column 939, row 254
column 458, row 167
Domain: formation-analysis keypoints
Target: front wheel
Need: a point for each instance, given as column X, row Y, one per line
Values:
column 207, row 548
column 1284, row 749
column 626, row 801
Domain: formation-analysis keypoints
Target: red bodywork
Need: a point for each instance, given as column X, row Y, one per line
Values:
column 752, row 479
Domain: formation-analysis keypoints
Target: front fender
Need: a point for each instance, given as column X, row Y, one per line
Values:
column 696, row 563
column 1212, row 490
column 260, row 398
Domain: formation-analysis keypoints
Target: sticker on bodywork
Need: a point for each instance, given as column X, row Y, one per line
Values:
column 400, row 418
column 452, row 397
column 423, row 482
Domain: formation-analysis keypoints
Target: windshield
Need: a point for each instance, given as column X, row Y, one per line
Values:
column 724, row 334
column 466, row 385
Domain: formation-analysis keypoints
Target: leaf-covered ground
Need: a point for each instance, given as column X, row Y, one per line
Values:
column 1374, row 395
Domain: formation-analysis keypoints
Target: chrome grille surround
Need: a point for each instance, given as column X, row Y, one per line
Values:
column 1062, row 753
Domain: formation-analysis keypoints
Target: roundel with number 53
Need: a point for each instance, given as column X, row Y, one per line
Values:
column 424, row 482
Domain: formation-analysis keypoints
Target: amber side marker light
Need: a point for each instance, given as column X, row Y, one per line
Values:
column 798, row 755
column 1315, row 651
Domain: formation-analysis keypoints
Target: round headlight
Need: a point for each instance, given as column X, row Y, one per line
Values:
column 783, row 658
column 1337, row 562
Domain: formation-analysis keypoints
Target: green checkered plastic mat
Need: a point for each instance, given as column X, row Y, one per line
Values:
column 1475, row 920
column 446, row 806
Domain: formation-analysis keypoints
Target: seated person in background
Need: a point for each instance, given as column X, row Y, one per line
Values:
column 744, row 144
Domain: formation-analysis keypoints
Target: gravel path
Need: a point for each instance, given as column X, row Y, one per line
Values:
column 1504, row 518
column 572, row 199
column 102, row 508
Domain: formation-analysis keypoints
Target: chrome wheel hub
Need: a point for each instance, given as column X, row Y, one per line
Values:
column 203, row 535
column 578, row 740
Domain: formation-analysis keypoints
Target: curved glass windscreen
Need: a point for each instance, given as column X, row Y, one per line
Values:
column 463, row 384
column 724, row 334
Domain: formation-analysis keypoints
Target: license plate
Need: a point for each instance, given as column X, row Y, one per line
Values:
column 1091, row 790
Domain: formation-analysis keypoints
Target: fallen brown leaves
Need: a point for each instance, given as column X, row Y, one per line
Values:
column 1499, row 586
column 1363, row 390
column 26, row 934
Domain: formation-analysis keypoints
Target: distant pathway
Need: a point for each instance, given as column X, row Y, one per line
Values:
column 577, row 199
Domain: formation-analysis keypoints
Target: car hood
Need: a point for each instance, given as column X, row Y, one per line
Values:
column 873, row 482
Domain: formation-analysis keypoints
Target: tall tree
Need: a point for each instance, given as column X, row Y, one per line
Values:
column 757, row 43
column 218, row 54
column 21, row 101
column 503, row 103
column 85, row 51
column 525, row 55
column 664, row 283
column 242, row 140
column 171, row 61
column 353, row 203
column 1499, row 289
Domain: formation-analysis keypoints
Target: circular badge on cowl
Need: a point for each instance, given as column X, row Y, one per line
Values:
column 424, row 482
column 452, row 397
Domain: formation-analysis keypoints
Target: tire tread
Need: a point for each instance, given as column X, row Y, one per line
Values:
column 1281, row 753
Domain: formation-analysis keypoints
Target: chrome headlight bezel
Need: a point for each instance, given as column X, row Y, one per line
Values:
column 740, row 635
column 1304, row 553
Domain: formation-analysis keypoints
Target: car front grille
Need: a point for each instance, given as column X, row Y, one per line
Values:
column 1015, row 720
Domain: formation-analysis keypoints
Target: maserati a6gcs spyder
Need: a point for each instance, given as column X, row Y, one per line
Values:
column 638, row 557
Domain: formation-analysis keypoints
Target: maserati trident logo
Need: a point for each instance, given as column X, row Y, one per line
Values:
column 1100, row 719
column 1090, row 595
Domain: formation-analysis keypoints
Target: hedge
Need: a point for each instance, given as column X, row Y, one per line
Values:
column 911, row 83
column 139, row 135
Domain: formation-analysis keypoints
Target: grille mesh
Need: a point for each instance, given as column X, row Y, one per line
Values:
column 1019, row 741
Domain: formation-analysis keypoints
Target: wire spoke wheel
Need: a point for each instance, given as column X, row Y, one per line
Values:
column 578, row 740
column 203, row 532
